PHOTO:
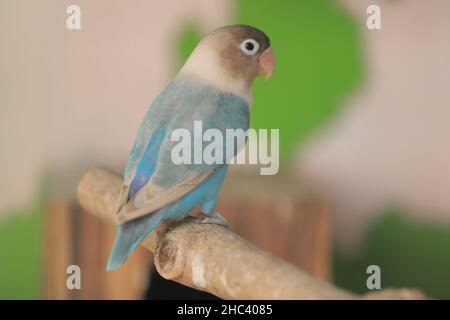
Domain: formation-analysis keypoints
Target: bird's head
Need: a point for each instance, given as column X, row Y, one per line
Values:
column 232, row 57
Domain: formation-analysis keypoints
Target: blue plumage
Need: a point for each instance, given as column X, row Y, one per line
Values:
column 214, row 87
column 150, row 166
column 146, row 166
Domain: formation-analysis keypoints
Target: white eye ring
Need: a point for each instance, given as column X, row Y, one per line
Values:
column 249, row 42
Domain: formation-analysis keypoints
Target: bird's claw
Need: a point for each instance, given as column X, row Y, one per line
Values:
column 212, row 218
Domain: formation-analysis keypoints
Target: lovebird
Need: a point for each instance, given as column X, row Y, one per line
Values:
column 214, row 87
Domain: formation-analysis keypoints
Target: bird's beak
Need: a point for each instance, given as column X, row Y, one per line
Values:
column 267, row 63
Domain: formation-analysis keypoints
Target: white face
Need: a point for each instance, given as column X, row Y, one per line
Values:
column 204, row 64
column 229, row 58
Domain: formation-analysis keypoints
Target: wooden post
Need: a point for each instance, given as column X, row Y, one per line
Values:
column 213, row 259
column 58, row 253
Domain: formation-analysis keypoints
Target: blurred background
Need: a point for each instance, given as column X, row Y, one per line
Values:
column 364, row 133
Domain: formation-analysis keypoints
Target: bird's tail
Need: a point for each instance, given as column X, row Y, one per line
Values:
column 129, row 235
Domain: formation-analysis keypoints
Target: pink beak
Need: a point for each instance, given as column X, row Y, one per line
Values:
column 267, row 63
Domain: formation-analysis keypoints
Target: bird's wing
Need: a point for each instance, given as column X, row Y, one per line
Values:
column 154, row 181
column 146, row 145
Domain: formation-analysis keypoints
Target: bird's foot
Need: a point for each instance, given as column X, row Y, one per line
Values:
column 212, row 218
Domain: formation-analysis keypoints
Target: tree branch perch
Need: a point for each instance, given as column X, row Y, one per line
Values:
column 213, row 259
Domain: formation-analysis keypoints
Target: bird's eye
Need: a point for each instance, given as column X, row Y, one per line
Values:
column 249, row 46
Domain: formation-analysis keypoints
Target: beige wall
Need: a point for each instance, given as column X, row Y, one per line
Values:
column 391, row 145
column 71, row 99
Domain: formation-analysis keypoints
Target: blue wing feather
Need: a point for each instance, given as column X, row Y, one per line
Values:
column 147, row 163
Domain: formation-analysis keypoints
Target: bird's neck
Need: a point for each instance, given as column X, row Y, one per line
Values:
column 203, row 66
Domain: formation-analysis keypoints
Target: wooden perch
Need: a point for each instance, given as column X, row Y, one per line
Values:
column 213, row 259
